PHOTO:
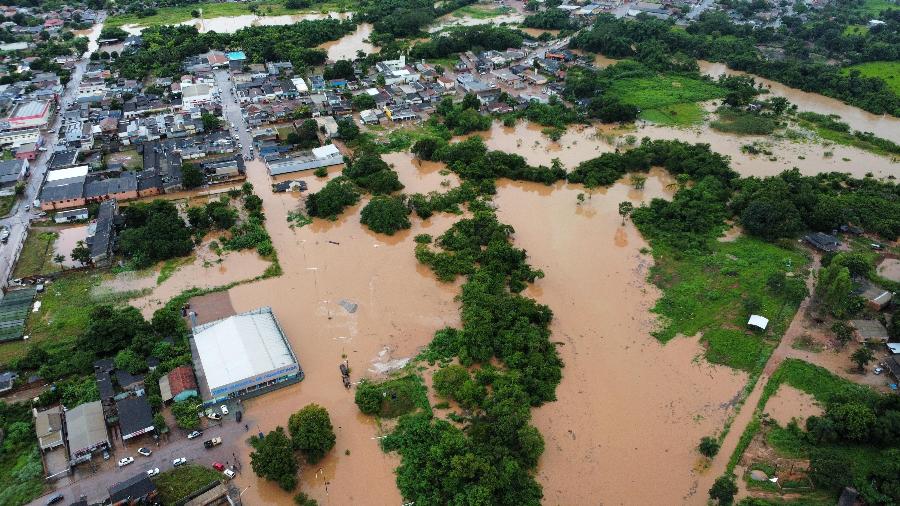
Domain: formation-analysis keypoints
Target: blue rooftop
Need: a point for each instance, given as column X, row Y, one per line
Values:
column 236, row 55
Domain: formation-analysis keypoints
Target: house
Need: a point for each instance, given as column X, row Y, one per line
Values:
column 179, row 384
column 323, row 156
column 369, row 117
column 823, row 242
column 893, row 366
column 30, row 114
column 869, row 331
column 85, row 431
column 71, row 215
column 7, row 380
column 48, row 426
column 139, row 489
column 102, row 240
column 135, row 417
column 11, row 172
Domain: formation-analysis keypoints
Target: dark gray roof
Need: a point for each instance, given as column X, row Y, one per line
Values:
column 10, row 170
column 135, row 414
column 103, row 232
column 133, row 488
column 126, row 182
column 823, row 242
column 74, row 190
column 104, row 385
column 125, row 378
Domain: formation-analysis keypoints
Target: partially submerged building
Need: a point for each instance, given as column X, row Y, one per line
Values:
column 139, row 489
column 324, row 156
column 242, row 356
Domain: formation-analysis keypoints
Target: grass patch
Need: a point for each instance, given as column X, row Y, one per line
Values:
column 6, row 204
column 856, row 30
column 743, row 123
column 181, row 482
column 830, row 128
column 665, row 98
column 21, row 475
column 400, row 396
column 887, row 71
column 37, row 255
column 481, row 11
column 175, row 15
column 402, row 139
column 170, row 266
column 706, row 293
column 874, row 7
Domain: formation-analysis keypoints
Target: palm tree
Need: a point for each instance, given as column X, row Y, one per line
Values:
column 59, row 259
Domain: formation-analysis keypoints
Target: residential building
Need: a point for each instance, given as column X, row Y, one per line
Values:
column 135, row 416
column 48, row 426
column 85, row 431
column 324, row 156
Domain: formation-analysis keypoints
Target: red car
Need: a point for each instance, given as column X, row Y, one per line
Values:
column 218, row 466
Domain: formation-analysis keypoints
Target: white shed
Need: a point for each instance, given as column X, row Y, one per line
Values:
column 758, row 321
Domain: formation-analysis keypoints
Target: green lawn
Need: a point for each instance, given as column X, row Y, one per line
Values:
column 705, row 293
column 481, row 11
column 856, row 30
column 37, row 255
column 174, row 15
column 887, row 71
column 6, row 204
column 874, row 7
column 667, row 99
column 181, row 482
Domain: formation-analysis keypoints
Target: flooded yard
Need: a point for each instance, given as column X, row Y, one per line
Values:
column 347, row 46
column 231, row 24
column 67, row 240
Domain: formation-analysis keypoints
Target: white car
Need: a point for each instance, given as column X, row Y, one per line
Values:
column 124, row 462
column 180, row 461
column 153, row 472
column 224, row 409
column 229, row 473
column 194, row 434
column 145, row 451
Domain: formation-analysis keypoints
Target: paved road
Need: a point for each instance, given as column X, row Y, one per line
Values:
column 21, row 215
column 231, row 110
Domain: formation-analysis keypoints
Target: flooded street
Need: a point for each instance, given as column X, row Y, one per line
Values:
column 630, row 411
column 581, row 143
column 884, row 126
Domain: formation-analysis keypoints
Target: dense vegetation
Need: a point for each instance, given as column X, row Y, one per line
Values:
column 330, row 201
column 385, row 214
column 154, row 232
column 462, row 118
column 549, row 19
column 467, row 38
column 165, row 47
column 404, row 18
column 714, row 37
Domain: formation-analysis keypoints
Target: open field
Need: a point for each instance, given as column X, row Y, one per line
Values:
column 667, row 99
column 874, row 7
column 37, row 255
column 481, row 11
column 887, row 71
column 175, row 15
column 180, row 482
column 6, row 204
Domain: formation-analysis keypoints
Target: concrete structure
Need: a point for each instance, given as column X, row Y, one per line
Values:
column 16, row 138
column 869, row 331
column 48, row 426
column 195, row 95
column 71, row 215
column 29, row 115
column 85, row 431
column 11, row 172
column 324, row 156
column 242, row 356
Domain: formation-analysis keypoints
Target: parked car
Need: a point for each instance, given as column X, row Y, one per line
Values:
column 153, row 472
column 125, row 461
column 55, row 499
column 229, row 473
column 218, row 466
column 145, row 451
column 224, row 409
column 209, row 443
column 195, row 434
column 105, row 455
column 212, row 415
column 238, row 415
column 180, row 461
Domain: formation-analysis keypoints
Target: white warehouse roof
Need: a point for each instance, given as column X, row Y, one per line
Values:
column 56, row 175
column 300, row 84
column 241, row 346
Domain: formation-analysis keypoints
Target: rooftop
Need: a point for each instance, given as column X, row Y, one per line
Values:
column 85, row 426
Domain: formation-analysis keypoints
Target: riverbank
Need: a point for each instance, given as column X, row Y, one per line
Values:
column 177, row 15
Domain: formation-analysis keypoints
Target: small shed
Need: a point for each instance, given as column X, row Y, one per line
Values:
column 823, row 242
column 869, row 331
column 758, row 322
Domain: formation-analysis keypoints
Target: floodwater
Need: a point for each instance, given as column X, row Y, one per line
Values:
column 449, row 20
column 789, row 402
column 401, row 305
column 67, row 240
column 890, row 268
column 630, row 411
column 346, row 47
column 581, row 143
column 420, row 176
column 884, row 126
column 231, row 24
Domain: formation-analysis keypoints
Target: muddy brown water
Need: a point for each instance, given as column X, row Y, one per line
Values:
column 581, row 143
column 346, row 47
column 231, row 24
column 67, row 240
column 789, row 403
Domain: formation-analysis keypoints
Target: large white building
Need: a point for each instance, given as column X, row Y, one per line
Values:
column 323, row 156
column 242, row 356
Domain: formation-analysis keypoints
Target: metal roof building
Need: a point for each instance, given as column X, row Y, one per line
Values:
column 86, row 431
column 323, row 156
column 242, row 355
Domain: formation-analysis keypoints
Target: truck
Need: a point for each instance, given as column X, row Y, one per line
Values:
column 209, row 443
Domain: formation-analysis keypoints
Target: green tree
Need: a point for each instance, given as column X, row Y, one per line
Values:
column 129, row 361
column 448, row 380
column 168, row 323
column 302, row 499
column 625, row 210
column 835, row 289
column 724, row 489
column 842, row 331
column 81, row 253
column 853, row 420
column 709, row 446
column 369, row 397
column 186, row 412
column 331, row 200
column 273, row 458
column 59, row 259
column 210, row 121
column 311, row 432
column 385, row 215
column 191, row 176
column 347, row 129
column 363, row 101
column 861, row 357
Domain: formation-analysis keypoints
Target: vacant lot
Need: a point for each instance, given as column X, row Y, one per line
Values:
column 887, row 71
column 180, row 482
column 667, row 99
column 37, row 255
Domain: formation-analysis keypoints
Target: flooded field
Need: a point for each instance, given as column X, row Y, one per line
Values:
column 630, row 411
column 401, row 305
column 449, row 21
column 231, row 24
column 884, row 126
column 789, row 403
column 581, row 143
column 67, row 240
column 347, row 46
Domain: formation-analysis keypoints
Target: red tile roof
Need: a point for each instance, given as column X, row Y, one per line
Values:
column 182, row 378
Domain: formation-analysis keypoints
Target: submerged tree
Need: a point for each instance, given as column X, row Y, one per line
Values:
column 625, row 210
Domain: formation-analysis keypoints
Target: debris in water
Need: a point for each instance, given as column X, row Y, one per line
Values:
column 349, row 306
column 334, row 242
